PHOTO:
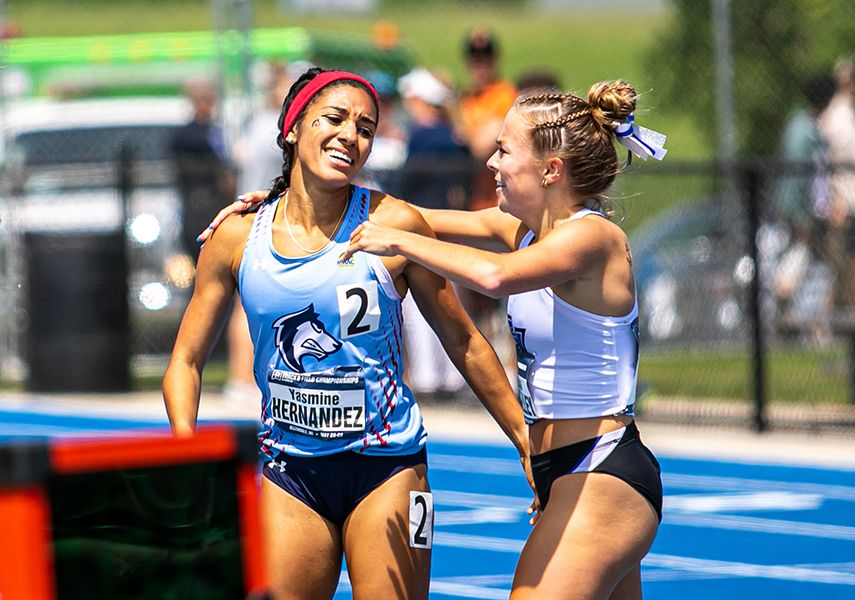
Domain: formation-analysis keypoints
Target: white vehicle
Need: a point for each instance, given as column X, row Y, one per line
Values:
column 63, row 175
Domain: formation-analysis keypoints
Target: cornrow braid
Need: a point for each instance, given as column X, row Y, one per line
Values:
column 561, row 121
column 556, row 96
column 579, row 113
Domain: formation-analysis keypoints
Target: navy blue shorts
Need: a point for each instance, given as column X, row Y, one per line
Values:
column 620, row 454
column 333, row 485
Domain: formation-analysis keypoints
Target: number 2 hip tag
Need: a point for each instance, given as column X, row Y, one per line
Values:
column 421, row 519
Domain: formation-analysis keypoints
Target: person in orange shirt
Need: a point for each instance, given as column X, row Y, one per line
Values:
column 482, row 109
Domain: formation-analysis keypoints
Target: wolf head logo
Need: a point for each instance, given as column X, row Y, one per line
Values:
column 518, row 334
column 302, row 334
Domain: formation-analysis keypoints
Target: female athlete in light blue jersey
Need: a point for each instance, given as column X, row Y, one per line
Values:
column 345, row 468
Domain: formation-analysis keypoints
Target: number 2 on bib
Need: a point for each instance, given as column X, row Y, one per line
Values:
column 358, row 308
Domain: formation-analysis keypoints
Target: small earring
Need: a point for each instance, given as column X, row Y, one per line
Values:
column 543, row 183
column 290, row 138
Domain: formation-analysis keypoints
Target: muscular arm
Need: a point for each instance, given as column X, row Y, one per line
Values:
column 202, row 322
column 566, row 253
column 465, row 345
column 488, row 229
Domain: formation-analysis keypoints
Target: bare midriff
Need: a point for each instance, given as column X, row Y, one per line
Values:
column 548, row 434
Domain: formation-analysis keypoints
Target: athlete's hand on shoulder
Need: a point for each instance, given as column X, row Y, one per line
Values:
column 243, row 202
column 224, row 247
column 375, row 238
column 389, row 227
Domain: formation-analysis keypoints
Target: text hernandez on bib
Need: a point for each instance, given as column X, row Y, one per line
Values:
column 325, row 405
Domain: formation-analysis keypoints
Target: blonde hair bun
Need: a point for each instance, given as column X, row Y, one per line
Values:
column 611, row 102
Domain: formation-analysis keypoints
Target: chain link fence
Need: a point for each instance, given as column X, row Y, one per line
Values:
column 741, row 238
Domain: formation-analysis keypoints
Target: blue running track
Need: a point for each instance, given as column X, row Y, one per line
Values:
column 731, row 530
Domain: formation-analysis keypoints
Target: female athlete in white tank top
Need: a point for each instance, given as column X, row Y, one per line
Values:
column 567, row 271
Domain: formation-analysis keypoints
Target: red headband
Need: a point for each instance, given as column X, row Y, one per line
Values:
column 308, row 91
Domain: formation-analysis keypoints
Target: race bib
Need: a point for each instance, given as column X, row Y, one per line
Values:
column 324, row 404
column 359, row 308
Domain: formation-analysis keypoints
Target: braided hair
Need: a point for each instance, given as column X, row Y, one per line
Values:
column 580, row 132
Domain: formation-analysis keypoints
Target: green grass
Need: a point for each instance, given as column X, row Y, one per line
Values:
column 792, row 376
column 580, row 47
column 642, row 192
column 8, row 385
column 213, row 377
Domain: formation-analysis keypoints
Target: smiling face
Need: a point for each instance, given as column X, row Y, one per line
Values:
column 517, row 171
column 335, row 135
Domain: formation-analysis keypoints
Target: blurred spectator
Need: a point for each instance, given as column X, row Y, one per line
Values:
column 538, row 79
column 802, row 198
column 803, row 279
column 389, row 149
column 258, row 157
column 259, row 160
column 837, row 125
column 482, row 109
column 431, row 177
column 204, row 170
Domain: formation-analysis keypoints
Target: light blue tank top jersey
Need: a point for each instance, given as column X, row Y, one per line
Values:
column 327, row 340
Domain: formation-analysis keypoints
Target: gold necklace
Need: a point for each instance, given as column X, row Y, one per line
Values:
column 290, row 233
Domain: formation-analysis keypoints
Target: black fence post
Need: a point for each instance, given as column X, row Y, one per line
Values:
column 753, row 181
column 125, row 178
column 851, row 341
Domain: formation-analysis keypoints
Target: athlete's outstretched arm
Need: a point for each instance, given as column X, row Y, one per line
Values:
column 214, row 287
column 489, row 228
column 566, row 253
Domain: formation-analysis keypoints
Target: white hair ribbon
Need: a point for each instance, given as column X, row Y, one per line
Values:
column 641, row 141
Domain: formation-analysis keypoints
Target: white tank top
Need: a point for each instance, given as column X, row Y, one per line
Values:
column 572, row 364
